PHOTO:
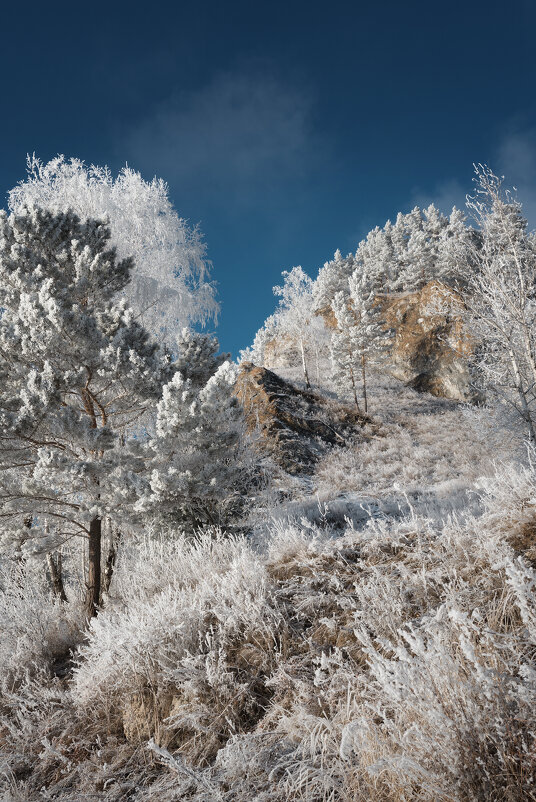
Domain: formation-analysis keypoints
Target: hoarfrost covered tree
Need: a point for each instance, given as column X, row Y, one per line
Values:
column 199, row 461
column 502, row 298
column 458, row 245
column 332, row 278
column 78, row 371
column 197, row 356
column 345, row 347
column 295, row 315
column 256, row 352
column 361, row 336
column 421, row 246
column 378, row 257
column 169, row 287
column 422, row 237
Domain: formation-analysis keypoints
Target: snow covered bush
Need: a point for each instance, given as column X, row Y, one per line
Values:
column 37, row 628
column 422, row 682
column 393, row 660
column 186, row 662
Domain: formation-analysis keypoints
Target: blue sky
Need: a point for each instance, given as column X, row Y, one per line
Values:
column 286, row 130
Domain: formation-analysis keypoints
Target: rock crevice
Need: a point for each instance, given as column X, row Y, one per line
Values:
column 296, row 425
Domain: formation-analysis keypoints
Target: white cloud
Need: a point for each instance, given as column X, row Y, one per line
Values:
column 240, row 136
column 444, row 195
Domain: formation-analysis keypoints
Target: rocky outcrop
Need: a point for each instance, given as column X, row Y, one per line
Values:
column 431, row 347
column 296, row 425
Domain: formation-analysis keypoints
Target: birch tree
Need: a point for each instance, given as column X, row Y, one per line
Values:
column 295, row 315
column 501, row 300
column 169, row 286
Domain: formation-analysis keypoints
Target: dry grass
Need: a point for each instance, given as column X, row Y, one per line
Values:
column 389, row 660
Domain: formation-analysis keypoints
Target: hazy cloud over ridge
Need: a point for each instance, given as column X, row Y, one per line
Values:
column 444, row 196
column 240, row 134
column 516, row 160
column 514, row 157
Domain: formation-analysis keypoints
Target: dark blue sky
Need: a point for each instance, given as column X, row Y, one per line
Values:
column 286, row 130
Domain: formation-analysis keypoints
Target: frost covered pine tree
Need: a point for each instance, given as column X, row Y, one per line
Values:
column 455, row 260
column 169, row 286
column 345, row 347
column 419, row 255
column 197, row 357
column 501, row 298
column 78, row 371
column 199, row 460
column 332, row 278
column 257, row 351
column 375, row 255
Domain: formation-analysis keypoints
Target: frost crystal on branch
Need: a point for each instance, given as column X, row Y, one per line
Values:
column 169, row 287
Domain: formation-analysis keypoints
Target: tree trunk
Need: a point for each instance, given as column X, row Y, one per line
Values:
column 354, row 388
column 93, row 590
column 110, row 562
column 94, row 568
column 56, row 577
column 304, row 365
column 363, row 373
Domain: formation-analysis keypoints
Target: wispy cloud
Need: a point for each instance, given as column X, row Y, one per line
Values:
column 514, row 157
column 444, row 195
column 239, row 137
column 516, row 160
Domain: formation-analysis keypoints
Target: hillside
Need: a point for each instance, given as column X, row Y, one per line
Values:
column 371, row 638
column 306, row 575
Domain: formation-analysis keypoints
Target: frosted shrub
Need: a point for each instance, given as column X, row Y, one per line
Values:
column 184, row 663
column 422, row 460
column 393, row 661
column 419, row 678
column 36, row 627
column 455, row 708
column 38, row 636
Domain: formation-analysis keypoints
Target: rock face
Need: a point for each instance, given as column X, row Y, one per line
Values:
column 296, row 426
column 431, row 347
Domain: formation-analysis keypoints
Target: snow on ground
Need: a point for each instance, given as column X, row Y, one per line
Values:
column 378, row 649
column 426, row 460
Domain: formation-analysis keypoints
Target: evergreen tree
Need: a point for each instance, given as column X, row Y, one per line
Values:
column 295, row 317
column 361, row 338
column 345, row 348
column 333, row 278
column 199, row 463
column 197, row 356
column 79, row 372
column 457, row 247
